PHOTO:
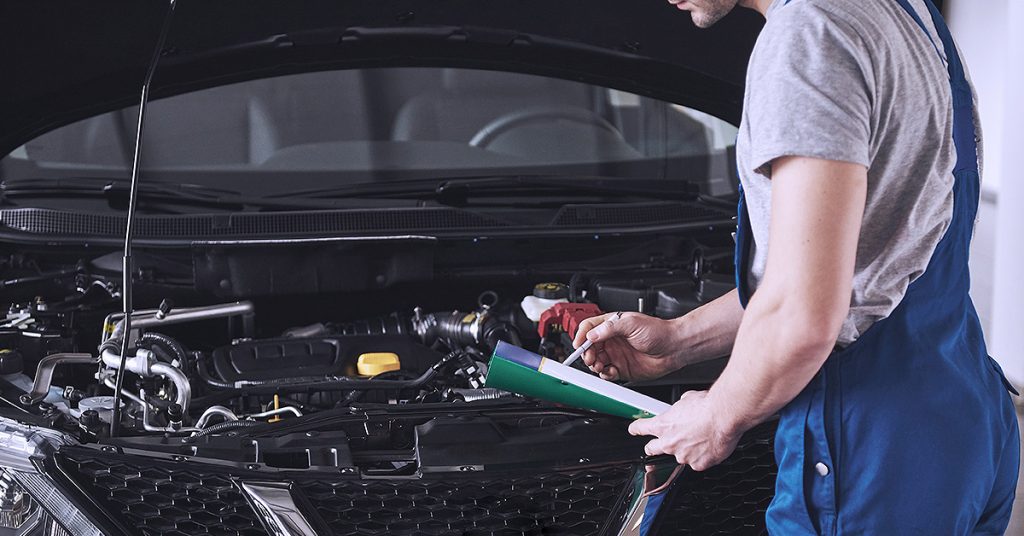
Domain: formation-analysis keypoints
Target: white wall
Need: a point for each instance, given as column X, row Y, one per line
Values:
column 995, row 57
column 1008, row 305
column 980, row 30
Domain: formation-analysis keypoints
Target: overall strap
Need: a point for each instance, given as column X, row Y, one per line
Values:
column 964, row 133
column 744, row 237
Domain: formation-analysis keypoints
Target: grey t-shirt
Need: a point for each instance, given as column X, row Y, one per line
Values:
column 855, row 81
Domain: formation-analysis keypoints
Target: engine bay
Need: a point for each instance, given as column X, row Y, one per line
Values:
column 215, row 372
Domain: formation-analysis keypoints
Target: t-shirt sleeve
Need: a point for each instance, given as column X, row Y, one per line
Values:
column 809, row 90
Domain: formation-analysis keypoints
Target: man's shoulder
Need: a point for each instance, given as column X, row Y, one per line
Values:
column 820, row 26
column 860, row 15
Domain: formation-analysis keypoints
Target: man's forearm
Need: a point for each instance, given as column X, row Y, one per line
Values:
column 792, row 321
column 773, row 359
column 710, row 330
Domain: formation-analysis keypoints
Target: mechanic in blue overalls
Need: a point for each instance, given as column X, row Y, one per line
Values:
column 859, row 156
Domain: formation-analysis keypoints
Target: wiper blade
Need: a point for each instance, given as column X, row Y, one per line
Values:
column 463, row 189
column 458, row 191
column 116, row 192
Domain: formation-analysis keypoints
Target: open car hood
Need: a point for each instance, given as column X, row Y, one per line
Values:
column 69, row 61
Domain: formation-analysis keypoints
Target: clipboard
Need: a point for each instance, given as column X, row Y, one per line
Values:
column 521, row 371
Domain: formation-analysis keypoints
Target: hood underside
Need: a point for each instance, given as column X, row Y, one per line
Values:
column 72, row 61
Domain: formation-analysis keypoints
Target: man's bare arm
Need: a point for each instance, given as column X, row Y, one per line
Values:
column 710, row 331
column 793, row 320
column 791, row 323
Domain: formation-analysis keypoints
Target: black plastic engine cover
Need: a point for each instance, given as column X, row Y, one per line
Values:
column 664, row 297
column 271, row 359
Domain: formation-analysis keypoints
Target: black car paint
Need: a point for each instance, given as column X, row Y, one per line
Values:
column 72, row 61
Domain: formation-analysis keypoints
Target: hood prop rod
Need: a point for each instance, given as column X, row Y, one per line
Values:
column 133, row 197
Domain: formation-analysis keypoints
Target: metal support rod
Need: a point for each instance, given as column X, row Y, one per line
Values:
column 44, row 374
column 113, row 326
column 133, row 198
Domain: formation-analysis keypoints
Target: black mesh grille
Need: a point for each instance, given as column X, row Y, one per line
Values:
column 575, row 503
column 163, row 499
column 728, row 499
column 636, row 214
column 45, row 221
column 177, row 499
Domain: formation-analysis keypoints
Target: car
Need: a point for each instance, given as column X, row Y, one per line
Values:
column 342, row 207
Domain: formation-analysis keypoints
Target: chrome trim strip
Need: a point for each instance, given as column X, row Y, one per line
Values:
column 647, row 482
column 273, row 241
column 273, row 501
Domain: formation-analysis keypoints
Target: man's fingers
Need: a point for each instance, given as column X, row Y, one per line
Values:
column 585, row 327
column 645, row 427
column 656, row 447
column 610, row 327
column 611, row 373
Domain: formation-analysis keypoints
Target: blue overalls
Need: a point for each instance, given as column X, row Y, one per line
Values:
column 910, row 429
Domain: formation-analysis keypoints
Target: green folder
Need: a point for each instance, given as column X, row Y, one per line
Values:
column 520, row 371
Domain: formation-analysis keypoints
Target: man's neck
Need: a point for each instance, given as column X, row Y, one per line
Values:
column 761, row 6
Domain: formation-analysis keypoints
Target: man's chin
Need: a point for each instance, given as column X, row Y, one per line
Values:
column 705, row 20
column 711, row 12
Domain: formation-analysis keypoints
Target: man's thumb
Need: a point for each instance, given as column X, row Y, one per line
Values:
column 606, row 330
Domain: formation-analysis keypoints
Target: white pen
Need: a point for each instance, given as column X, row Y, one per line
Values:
column 586, row 345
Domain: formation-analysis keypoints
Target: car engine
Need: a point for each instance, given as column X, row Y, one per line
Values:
column 202, row 370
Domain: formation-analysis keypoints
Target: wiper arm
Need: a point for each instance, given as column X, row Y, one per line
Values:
column 458, row 191
column 116, row 193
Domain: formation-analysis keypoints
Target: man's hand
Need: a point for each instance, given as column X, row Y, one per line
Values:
column 640, row 347
column 631, row 347
column 688, row 432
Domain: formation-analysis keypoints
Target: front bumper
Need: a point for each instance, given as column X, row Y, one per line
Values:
column 143, row 495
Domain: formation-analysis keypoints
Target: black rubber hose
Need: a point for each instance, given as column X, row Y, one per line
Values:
column 339, row 384
column 226, row 426
column 354, row 396
column 171, row 344
column 501, row 331
column 113, row 344
column 204, row 374
column 574, row 287
column 335, row 384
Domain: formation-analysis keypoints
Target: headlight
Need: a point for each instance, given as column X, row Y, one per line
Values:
column 30, row 502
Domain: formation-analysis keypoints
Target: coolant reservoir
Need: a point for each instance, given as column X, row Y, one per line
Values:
column 545, row 296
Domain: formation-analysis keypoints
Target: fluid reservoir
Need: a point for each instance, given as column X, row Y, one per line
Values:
column 374, row 363
column 545, row 296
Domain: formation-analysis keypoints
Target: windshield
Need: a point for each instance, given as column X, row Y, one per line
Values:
column 338, row 128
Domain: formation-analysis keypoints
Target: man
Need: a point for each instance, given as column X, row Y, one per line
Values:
column 859, row 161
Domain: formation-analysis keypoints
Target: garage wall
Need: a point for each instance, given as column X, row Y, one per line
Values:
column 1008, row 302
column 994, row 56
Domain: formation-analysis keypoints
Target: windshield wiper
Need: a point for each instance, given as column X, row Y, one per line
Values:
column 115, row 192
column 459, row 191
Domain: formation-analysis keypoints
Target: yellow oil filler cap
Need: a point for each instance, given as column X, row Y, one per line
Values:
column 372, row 364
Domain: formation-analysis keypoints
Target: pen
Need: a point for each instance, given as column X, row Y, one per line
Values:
column 586, row 345
column 579, row 351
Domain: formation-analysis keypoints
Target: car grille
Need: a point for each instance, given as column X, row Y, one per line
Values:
column 160, row 498
column 576, row 503
column 728, row 499
column 157, row 498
